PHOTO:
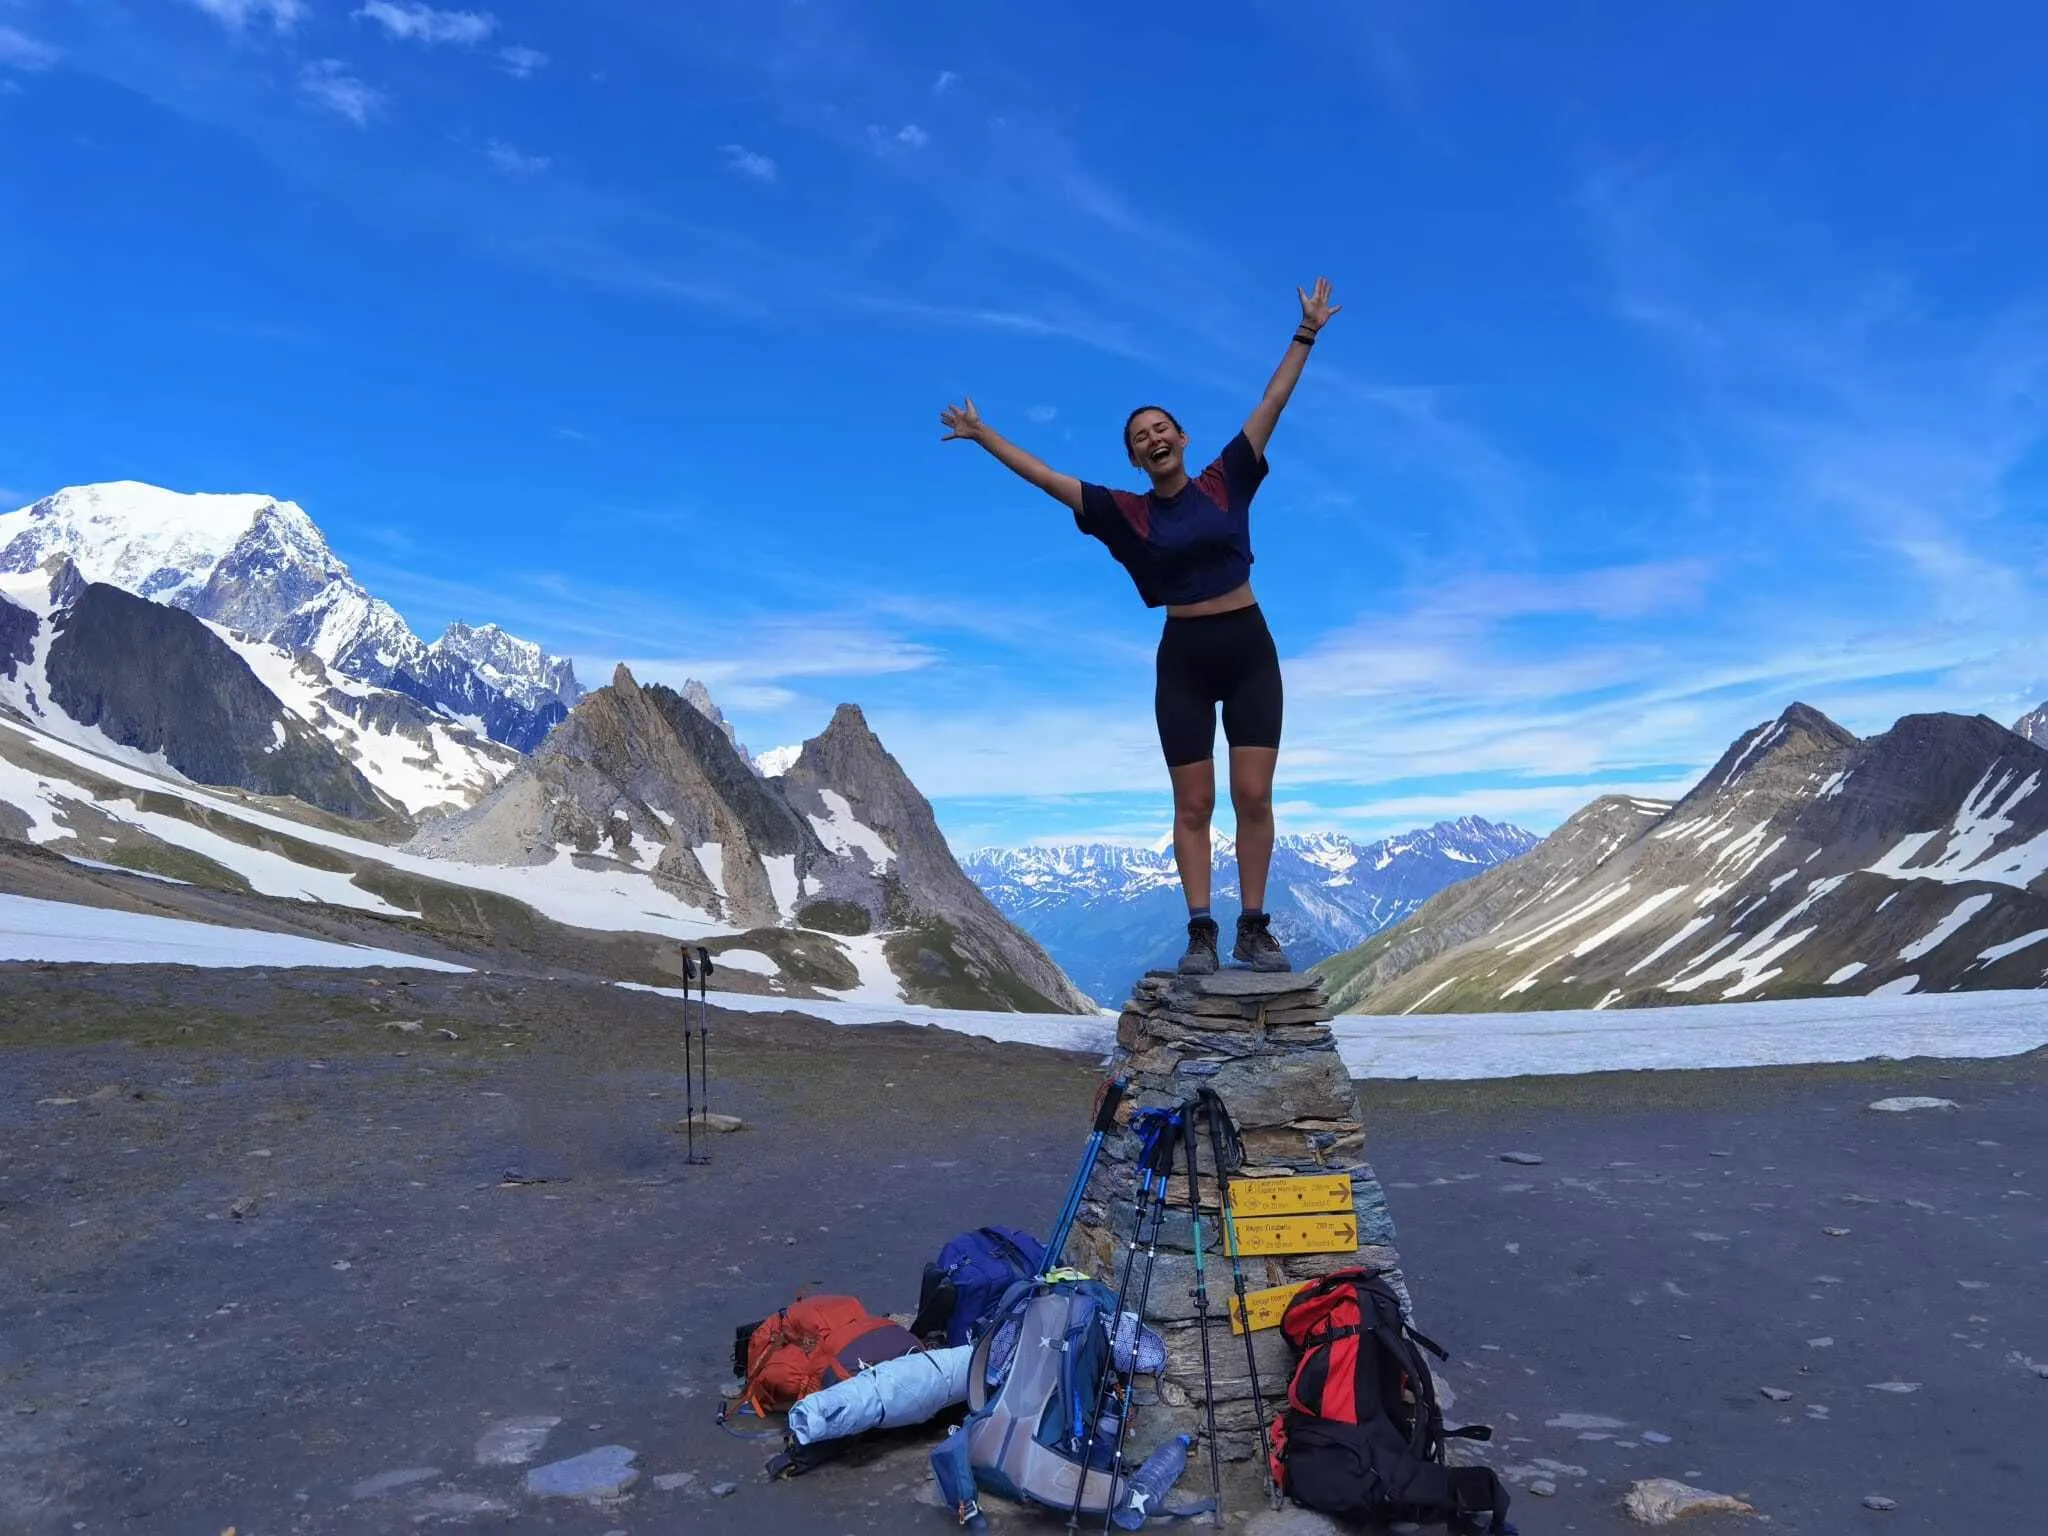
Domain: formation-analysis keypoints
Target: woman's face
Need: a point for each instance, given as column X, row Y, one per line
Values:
column 1156, row 444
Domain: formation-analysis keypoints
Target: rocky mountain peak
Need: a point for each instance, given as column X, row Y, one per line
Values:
column 698, row 697
column 2033, row 726
column 518, row 668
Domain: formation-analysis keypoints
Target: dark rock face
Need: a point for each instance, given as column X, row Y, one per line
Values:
column 960, row 944
column 158, row 680
column 2033, row 726
column 1806, row 863
column 17, row 637
column 644, row 778
column 448, row 684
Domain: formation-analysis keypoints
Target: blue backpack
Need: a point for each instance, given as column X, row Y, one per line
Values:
column 969, row 1278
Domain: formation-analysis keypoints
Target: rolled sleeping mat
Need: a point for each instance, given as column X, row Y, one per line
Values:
column 906, row 1390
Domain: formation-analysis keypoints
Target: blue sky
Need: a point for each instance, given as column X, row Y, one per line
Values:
column 1692, row 361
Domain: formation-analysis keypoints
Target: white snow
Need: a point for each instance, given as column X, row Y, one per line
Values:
column 782, row 883
column 1751, row 966
column 844, row 833
column 1627, row 920
column 1487, row 1045
column 1898, row 986
column 1437, row 1046
column 122, row 869
column 777, row 761
column 878, row 983
column 711, row 856
column 751, row 961
column 1692, row 926
column 1942, row 931
column 1055, row 1031
column 2014, row 946
column 453, row 768
column 65, row 933
column 1577, row 914
column 606, row 897
column 1759, row 741
column 1971, row 853
column 1432, row 992
column 1853, row 968
column 1609, row 1000
column 157, row 543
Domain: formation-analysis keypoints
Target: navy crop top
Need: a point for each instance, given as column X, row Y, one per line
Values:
column 1186, row 548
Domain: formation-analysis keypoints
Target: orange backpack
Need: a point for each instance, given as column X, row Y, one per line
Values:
column 814, row 1343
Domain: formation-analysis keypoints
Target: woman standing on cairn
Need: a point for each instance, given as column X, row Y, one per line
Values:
column 1187, row 545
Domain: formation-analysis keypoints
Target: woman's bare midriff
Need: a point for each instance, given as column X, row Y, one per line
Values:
column 1229, row 602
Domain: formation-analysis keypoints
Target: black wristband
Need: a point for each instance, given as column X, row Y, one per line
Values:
column 1307, row 339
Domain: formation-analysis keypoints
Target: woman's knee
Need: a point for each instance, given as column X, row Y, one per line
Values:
column 1193, row 808
column 1252, row 801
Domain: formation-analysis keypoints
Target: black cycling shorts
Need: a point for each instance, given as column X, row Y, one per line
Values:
column 1223, row 658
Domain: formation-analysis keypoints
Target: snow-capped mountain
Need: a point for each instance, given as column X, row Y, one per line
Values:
column 1107, row 911
column 2033, row 726
column 1804, row 863
column 262, row 567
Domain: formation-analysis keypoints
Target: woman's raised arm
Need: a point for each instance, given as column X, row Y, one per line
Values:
column 963, row 422
column 1316, row 310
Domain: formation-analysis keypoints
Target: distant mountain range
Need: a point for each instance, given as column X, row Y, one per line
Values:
column 259, row 566
column 1106, row 912
column 1805, row 863
column 259, row 727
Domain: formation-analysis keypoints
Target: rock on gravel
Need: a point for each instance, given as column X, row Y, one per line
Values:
column 1522, row 1159
column 1661, row 1500
column 1901, row 1106
column 1776, row 1394
column 514, row 1442
column 671, row 1482
column 1879, row 1501
column 390, row 1482
column 604, row 1473
column 1292, row 1522
column 724, row 1490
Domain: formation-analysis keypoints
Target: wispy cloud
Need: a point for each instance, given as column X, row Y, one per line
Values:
column 506, row 158
column 946, row 81
column 330, row 84
column 520, row 62
column 909, row 136
column 747, row 162
column 237, row 14
column 1041, row 413
column 424, row 24
column 20, row 51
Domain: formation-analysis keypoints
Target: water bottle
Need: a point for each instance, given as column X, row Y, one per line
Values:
column 1147, row 1490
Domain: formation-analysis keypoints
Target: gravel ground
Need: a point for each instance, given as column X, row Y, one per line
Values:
column 265, row 1270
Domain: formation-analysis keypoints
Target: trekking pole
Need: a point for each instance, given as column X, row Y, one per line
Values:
column 1227, row 1144
column 1201, row 1295
column 689, row 1082
column 1107, row 1098
column 704, row 1033
column 1153, row 1128
column 1162, row 1176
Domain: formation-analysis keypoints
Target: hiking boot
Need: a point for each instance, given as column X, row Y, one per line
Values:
column 1256, row 946
column 1200, row 960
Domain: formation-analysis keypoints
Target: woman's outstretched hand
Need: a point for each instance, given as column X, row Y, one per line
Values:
column 961, row 421
column 1316, row 308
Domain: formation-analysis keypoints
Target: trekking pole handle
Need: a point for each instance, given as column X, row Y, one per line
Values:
column 1108, row 1097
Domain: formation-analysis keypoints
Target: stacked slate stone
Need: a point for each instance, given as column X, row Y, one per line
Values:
column 1263, row 1042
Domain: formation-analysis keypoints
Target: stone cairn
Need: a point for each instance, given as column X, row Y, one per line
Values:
column 1263, row 1042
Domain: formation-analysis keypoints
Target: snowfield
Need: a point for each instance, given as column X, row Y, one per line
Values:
column 1477, row 1045
column 1436, row 1046
column 67, row 933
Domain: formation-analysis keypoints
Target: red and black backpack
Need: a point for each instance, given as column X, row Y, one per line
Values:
column 1362, row 1436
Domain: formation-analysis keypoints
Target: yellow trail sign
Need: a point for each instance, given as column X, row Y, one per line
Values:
column 1298, row 1196
column 1266, row 1307
column 1296, row 1234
